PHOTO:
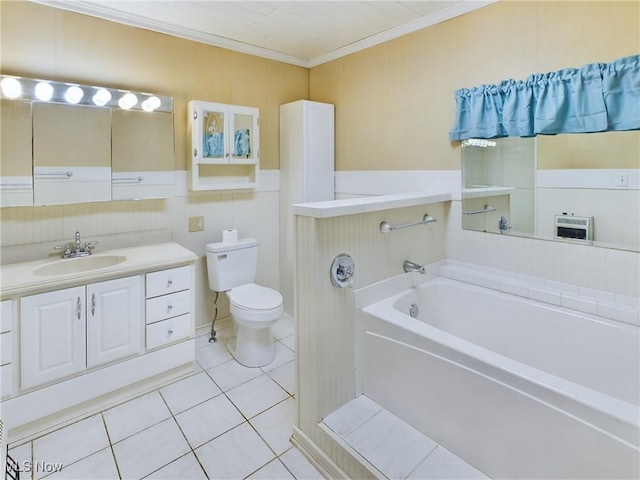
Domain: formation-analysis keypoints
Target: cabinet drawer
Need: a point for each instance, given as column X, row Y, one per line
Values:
column 6, row 316
column 5, row 348
column 168, row 281
column 167, row 331
column 167, row 306
column 6, row 380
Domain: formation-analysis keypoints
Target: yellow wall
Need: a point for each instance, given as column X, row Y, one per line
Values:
column 395, row 103
column 43, row 42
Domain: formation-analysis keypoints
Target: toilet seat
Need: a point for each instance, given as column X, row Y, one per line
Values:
column 253, row 297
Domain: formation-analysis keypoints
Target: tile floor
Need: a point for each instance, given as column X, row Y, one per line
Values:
column 223, row 421
column 393, row 447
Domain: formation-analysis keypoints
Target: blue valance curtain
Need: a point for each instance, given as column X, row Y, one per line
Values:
column 593, row 98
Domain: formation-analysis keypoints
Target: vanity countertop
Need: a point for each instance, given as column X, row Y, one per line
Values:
column 19, row 278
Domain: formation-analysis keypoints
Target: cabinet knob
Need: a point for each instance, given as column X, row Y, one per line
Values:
column 170, row 332
column 169, row 307
column 169, row 283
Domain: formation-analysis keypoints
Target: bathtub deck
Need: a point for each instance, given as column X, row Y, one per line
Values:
column 392, row 447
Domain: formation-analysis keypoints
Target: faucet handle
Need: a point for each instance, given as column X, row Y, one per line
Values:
column 89, row 245
column 66, row 248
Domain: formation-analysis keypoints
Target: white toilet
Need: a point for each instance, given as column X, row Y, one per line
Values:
column 254, row 309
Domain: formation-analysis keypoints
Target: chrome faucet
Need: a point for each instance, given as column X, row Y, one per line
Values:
column 76, row 249
column 409, row 266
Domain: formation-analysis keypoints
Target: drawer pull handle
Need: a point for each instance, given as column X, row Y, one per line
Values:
column 169, row 283
column 170, row 332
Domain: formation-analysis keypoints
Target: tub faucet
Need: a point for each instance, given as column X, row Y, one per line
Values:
column 409, row 266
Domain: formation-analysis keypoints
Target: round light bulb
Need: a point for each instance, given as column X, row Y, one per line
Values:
column 128, row 101
column 102, row 97
column 11, row 87
column 151, row 104
column 73, row 94
column 44, row 91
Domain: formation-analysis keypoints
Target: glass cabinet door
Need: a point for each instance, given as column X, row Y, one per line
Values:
column 244, row 125
column 213, row 135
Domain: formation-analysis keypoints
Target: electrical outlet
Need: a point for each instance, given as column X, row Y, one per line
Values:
column 622, row 180
column 196, row 224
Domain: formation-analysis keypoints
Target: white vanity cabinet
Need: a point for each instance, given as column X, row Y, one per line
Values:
column 64, row 332
column 6, row 348
column 168, row 306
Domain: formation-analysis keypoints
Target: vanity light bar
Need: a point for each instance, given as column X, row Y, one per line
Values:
column 478, row 142
column 23, row 88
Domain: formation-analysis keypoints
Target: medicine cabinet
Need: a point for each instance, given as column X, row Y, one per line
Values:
column 225, row 142
column 67, row 143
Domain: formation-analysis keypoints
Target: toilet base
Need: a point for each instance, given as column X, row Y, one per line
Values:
column 252, row 348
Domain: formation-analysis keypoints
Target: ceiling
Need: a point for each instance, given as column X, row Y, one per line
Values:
column 303, row 33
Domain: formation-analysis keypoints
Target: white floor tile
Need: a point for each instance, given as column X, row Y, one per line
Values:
column 188, row 392
column 275, row 425
column 71, row 443
column 203, row 340
column 391, row 445
column 283, row 355
column 150, row 449
column 231, row 374
column 184, row 468
column 208, row 420
column 213, row 354
column 135, row 415
column 442, row 464
column 257, row 395
column 283, row 327
column 235, row 454
column 289, row 342
column 274, row 470
column 99, row 466
column 301, row 468
column 351, row 415
column 285, row 375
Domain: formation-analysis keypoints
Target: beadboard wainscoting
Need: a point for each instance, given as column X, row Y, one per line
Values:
column 253, row 212
column 324, row 313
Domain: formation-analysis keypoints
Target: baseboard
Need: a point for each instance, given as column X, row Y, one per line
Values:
column 320, row 460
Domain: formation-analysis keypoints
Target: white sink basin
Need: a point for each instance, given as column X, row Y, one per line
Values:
column 79, row 265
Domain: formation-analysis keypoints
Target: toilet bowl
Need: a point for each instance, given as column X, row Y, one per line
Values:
column 254, row 308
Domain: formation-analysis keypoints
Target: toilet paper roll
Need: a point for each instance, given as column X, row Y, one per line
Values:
column 230, row 235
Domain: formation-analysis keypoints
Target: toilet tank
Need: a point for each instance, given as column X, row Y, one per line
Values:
column 232, row 264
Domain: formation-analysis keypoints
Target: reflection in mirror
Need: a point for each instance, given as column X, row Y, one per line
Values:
column 142, row 151
column 60, row 140
column 16, row 183
column 573, row 188
column 71, row 154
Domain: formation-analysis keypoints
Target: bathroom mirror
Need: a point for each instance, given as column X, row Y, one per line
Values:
column 582, row 188
column 66, row 143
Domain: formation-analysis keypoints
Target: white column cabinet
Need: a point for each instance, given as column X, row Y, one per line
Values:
column 52, row 335
column 306, row 173
column 67, row 331
column 113, row 320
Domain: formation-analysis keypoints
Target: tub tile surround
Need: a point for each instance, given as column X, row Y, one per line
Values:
column 620, row 308
column 390, row 447
column 194, row 427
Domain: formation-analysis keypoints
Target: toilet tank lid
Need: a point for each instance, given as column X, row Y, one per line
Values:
column 218, row 247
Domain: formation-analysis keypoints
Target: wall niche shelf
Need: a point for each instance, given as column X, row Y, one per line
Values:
column 225, row 146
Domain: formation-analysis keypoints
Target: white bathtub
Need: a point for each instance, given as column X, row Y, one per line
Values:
column 517, row 388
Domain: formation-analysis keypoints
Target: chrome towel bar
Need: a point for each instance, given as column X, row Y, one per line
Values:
column 386, row 228
column 486, row 209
